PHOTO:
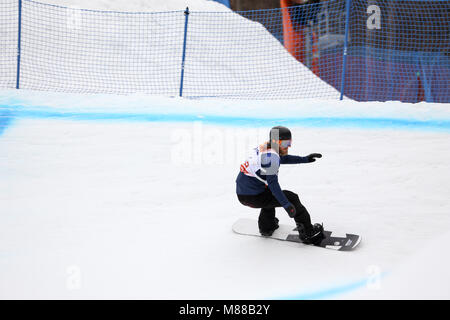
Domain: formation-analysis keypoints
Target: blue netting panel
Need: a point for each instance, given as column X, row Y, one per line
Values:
column 399, row 50
column 8, row 43
column 73, row 50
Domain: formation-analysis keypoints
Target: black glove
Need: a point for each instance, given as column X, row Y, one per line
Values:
column 312, row 157
column 290, row 209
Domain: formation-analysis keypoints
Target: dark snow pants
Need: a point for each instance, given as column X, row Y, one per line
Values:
column 267, row 202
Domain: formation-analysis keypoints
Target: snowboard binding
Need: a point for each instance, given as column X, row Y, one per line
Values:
column 314, row 236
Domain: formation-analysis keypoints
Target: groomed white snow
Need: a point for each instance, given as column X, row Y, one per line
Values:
column 128, row 208
column 100, row 204
column 424, row 275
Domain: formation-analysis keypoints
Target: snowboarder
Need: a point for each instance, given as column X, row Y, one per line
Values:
column 257, row 186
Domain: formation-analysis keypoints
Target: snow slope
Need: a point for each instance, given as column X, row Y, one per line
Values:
column 424, row 275
column 108, row 200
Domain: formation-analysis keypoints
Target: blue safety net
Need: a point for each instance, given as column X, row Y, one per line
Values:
column 395, row 50
column 399, row 50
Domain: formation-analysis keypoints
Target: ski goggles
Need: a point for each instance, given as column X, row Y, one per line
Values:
column 285, row 143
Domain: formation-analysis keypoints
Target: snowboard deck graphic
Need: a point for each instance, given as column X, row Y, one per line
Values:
column 332, row 240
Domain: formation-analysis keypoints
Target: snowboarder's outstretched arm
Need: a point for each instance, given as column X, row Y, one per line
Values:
column 288, row 159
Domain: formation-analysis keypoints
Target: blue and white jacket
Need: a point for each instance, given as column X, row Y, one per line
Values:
column 260, row 171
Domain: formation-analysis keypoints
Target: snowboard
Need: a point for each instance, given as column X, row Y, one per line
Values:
column 332, row 240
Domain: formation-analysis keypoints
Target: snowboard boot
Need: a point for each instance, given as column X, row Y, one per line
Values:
column 312, row 236
column 267, row 232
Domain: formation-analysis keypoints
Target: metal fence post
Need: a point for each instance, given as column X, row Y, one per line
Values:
column 344, row 57
column 19, row 36
column 186, row 14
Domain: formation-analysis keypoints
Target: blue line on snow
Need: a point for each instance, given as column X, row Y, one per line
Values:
column 325, row 294
column 5, row 119
column 355, row 122
column 330, row 292
column 235, row 120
